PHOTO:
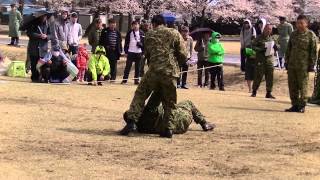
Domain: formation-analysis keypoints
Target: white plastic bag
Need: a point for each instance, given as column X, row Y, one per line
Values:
column 270, row 50
column 4, row 65
column 193, row 60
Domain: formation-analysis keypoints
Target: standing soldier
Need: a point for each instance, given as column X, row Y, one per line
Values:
column 285, row 29
column 165, row 50
column 15, row 19
column 300, row 59
column 264, row 46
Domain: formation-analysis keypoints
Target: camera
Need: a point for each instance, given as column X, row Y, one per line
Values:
column 139, row 45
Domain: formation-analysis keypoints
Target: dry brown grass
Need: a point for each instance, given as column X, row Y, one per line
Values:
column 70, row 132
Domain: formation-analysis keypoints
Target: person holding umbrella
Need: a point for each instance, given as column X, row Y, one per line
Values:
column 203, row 35
column 39, row 34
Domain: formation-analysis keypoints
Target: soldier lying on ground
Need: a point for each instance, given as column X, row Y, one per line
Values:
column 152, row 122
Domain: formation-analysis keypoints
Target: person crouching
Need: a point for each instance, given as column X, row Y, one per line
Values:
column 216, row 58
column 52, row 67
column 99, row 67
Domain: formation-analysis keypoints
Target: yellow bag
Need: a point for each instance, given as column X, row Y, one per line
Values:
column 17, row 69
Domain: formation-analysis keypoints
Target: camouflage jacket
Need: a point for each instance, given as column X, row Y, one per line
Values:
column 259, row 46
column 165, row 50
column 302, row 50
column 285, row 30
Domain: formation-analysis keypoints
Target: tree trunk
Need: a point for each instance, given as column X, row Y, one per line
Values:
column 120, row 22
column 129, row 20
column 203, row 17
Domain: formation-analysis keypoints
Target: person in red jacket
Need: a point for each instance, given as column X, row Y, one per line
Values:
column 82, row 62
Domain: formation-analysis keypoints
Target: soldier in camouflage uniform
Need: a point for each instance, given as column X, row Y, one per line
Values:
column 300, row 59
column 285, row 29
column 151, row 120
column 264, row 63
column 165, row 50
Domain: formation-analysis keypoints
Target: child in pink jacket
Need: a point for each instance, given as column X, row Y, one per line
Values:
column 82, row 62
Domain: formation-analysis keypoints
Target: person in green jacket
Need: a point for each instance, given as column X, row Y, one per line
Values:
column 15, row 19
column 99, row 67
column 216, row 58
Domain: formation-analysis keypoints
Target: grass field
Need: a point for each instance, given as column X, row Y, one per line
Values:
column 70, row 132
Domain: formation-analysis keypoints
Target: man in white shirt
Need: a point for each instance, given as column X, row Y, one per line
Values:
column 134, row 50
column 74, row 34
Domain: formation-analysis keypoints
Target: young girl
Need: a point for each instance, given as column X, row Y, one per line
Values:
column 82, row 62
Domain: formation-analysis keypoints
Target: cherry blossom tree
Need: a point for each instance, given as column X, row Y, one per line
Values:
column 307, row 7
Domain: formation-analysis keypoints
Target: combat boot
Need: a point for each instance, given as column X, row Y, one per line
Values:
column 130, row 127
column 166, row 133
column 269, row 95
column 207, row 127
column 254, row 94
column 302, row 109
column 292, row 109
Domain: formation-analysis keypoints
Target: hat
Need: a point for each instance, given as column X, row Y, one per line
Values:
column 64, row 9
column 184, row 29
column 74, row 15
column 282, row 18
column 56, row 48
column 12, row 5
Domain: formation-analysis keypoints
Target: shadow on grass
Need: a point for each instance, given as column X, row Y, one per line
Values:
column 104, row 132
column 276, row 101
column 251, row 109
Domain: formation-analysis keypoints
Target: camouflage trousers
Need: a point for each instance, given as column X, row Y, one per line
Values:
column 151, row 120
column 263, row 68
column 165, row 87
column 298, row 86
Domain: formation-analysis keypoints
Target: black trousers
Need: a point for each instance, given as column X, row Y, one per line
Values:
column 243, row 60
column 182, row 80
column 90, row 79
column 14, row 41
column 216, row 73
column 34, row 71
column 113, row 60
column 58, row 72
column 203, row 64
column 132, row 58
column 45, row 72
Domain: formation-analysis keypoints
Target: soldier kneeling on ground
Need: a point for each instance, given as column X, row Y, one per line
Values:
column 151, row 120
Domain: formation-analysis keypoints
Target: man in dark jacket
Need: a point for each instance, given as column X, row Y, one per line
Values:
column 39, row 35
column 134, row 49
column 95, row 34
column 111, row 40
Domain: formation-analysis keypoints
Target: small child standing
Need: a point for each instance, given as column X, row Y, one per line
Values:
column 82, row 62
column 216, row 59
